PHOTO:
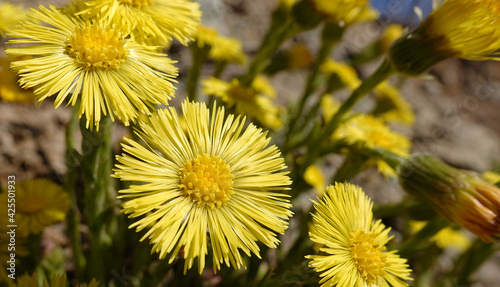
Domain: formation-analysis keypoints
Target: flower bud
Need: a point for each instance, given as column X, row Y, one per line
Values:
column 466, row 29
column 458, row 195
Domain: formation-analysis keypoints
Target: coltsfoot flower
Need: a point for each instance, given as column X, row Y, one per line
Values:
column 211, row 184
column 458, row 195
column 10, row 15
column 150, row 21
column 353, row 251
column 467, row 29
column 370, row 132
column 113, row 74
column 254, row 102
column 39, row 203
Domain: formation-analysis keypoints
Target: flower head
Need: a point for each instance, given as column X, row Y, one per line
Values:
column 213, row 181
column 340, row 75
column 10, row 15
column 391, row 106
column 458, row 195
column 367, row 131
column 342, row 10
column 253, row 102
column 353, row 251
column 222, row 49
column 114, row 75
column 39, row 203
column 467, row 29
column 9, row 89
column 149, row 21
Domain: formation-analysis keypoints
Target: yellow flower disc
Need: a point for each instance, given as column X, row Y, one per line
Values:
column 97, row 48
column 207, row 181
column 368, row 255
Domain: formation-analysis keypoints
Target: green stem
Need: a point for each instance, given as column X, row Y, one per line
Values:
column 276, row 35
column 420, row 241
column 199, row 56
column 469, row 262
column 383, row 72
column 96, row 170
column 219, row 68
column 70, row 183
column 327, row 44
column 350, row 168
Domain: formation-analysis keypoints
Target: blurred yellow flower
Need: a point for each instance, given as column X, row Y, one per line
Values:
column 254, row 102
column 369, row 131
column 222, row 49
column 390, row 34
column 467, row 29
column 391, row 106
column 9, row 89
column 347, row 11
column 10, row 15
column 213, row 185
column 150, row 21
column 446, row 237
column 353, row 251
column 39, row 203
column 345, row 73
column 329, row 107
column 114, row 75
column 314, row 176
column 298, row 57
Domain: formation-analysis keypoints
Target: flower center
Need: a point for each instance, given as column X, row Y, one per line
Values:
column 33, row 205
column 207, row 181
column 97, row 48
column 368, row 255
column 242, row 93
column 138, row 3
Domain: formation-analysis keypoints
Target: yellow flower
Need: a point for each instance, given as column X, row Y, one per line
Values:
column 459, row 195
column 345, row 73
column 353, row 251
column 149, row 21
column 10, row 15
column 215, row 181
column 347, row 11
column 392, row 107
column 446, row 237
column 253, row 102
column 39, row 203
column 228, row 50
column 314, row 176
column 491, row 177
column 390, row 34
column 467, row 29
column 329, row 107
column 115, row 75
column 9, row 89
column 298, row 57
column 222, row 49
column 369, row 132
column 205, row 36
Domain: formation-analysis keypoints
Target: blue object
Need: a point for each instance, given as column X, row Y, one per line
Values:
column 401, row 11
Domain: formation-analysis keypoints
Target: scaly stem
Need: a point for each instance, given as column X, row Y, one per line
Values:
column 96, row 171
column 70, row 182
